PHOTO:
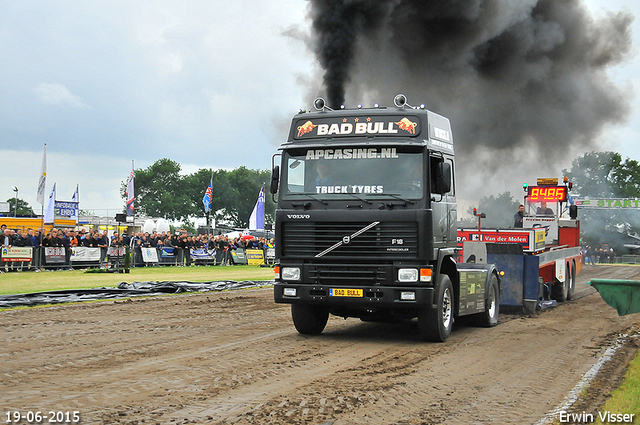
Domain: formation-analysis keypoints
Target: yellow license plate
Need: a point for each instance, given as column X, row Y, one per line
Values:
column 340, row 292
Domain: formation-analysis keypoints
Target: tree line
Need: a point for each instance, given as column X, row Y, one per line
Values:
column 596, row 175
column 162, row 191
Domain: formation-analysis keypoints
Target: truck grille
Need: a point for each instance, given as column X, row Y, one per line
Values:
column 390, row 240
column 352, row 275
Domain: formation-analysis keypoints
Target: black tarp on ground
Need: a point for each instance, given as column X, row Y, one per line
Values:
column 124, row 290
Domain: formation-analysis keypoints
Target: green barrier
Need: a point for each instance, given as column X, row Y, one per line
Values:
column 623, row 295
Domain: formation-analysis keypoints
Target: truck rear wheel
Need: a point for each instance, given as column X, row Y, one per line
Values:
column 559, row 290
column 492, row 305
column 309, row 319
column 572, row 282
column 435, row 324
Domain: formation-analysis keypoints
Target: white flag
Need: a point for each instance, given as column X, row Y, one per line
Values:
column 130, row 196
column 49, row 213
column 43, row 177
column 76, row 208
column 256, row 221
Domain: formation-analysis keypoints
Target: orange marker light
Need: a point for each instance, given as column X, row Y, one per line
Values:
column 425, row 275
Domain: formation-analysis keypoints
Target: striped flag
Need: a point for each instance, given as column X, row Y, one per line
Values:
column 208, row 198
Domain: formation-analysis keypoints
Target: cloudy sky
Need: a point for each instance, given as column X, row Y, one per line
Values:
column 209, row 84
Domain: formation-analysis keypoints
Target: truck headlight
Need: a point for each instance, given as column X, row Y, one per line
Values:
column 290, row 273
column 407, row 275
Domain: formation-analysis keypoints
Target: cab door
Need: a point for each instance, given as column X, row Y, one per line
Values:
column 443, row 200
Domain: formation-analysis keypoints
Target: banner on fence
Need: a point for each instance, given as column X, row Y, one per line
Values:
column 115, row 251
column 84, row 253
column 149, row 255
column 167, row 252
column 54, row 255
column 16, row 254
column 271, row 254
column 255, row 257
column 203, row 254
column 239, row 257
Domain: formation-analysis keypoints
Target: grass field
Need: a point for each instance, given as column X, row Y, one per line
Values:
column 27, row 282
column 626, row 399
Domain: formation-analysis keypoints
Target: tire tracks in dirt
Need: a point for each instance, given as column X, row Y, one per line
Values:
column 234, row 357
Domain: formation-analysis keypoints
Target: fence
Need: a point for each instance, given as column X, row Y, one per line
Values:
column 628, row 259
column 29, row 258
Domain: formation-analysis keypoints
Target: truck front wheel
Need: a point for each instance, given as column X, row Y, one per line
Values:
column 309, row 319
column 435, row 324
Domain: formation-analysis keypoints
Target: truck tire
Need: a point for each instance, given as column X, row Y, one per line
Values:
column 559, row 289
column 491, row 313
column 309, row 319
column 572, row 283
column 435, row 324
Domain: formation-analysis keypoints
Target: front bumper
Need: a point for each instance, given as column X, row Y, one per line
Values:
column 372, row 296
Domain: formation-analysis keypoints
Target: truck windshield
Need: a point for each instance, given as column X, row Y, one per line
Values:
column 340, row 173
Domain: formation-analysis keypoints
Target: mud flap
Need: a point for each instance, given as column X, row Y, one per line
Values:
column 473, row 284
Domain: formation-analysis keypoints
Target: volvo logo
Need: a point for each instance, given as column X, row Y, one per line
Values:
column 298, row 216
column 347, row 239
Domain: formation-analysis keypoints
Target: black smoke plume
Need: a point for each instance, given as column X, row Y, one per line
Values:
column 337, row 25
column 521, row 81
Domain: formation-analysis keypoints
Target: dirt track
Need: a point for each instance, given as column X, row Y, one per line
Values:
column 234, row 357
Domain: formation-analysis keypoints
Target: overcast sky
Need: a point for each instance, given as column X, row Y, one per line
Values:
column 209, row 84
column 624, row 138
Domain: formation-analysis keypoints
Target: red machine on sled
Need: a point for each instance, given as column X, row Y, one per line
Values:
column 539, row 262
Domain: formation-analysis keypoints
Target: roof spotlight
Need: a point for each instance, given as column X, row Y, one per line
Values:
column 319, row 104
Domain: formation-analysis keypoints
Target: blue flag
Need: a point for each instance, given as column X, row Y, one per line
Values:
column 256, row 221
column 208, row 198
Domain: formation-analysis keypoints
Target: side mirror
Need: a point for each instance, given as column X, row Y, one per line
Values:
column 275, row 178
column 444, row 178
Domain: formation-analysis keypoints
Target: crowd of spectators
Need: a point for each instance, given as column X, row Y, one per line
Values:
column 185, row 240
column 591, row 256
column 20, row 238
column 54, row 238
column 69, row 238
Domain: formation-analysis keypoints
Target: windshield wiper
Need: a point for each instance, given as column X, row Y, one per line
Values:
column 360, row 198
column 393, row 195
column 312, row 196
